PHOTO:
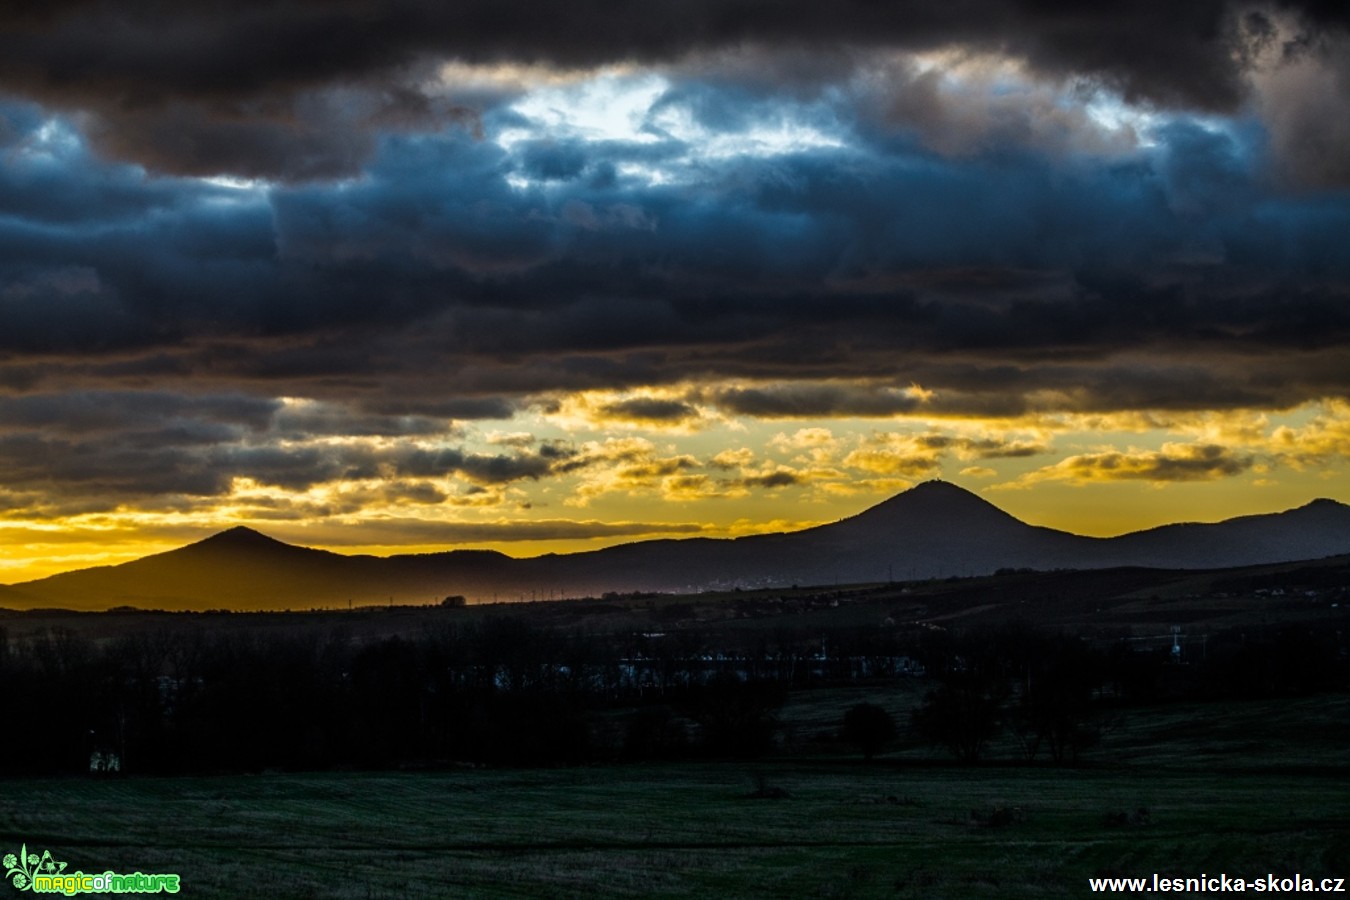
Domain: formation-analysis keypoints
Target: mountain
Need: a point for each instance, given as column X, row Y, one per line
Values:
column 1312, row 531
column 938, row 529
column 933, row 530
column 10, row 598
column 221, row 571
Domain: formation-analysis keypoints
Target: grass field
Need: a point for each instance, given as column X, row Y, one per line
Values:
column 1249, row 789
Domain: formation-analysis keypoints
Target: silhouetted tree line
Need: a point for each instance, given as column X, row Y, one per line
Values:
column 1053, row 693
column 500, row 692
column 504, row 692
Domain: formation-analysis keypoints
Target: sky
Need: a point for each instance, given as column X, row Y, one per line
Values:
column 410, row 276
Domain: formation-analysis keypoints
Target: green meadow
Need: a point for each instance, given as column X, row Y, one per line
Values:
column 1239, row 788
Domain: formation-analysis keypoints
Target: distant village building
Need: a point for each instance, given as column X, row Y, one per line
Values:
column 104, row 762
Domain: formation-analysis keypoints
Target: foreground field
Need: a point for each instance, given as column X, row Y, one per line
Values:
column 1231, row 795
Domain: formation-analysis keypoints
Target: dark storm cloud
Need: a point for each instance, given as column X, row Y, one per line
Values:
column 649, row 409
column 303, row 467
column 985, row 448
column 111, row 470
column 296, row 89
column 923, row 258
column 434, row 288
column 551, row 161
column 815, row 400
column 93, row 412
column 93, row 450
column 1202, row 462
column 781, row 478
column 444, row 407
column 499, row 468
column 314, row 419
column 196, row 461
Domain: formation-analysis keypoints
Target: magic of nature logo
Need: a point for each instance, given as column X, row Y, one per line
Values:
column 42, row 874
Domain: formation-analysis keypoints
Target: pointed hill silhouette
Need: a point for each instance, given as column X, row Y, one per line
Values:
column 935, row 529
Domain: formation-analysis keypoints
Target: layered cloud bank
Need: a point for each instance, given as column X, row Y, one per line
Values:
column 505, row 274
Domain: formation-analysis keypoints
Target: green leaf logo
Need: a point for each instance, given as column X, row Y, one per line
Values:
column 20, row 869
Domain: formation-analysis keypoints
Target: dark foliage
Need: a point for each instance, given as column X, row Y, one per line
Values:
column 868, row 727
column 503, row 691
column 963, row 713
column 737, row 718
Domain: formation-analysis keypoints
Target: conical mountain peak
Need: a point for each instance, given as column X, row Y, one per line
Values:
column 240, row 533
column 937, row 498
column 1323, row 503
column 239, row 537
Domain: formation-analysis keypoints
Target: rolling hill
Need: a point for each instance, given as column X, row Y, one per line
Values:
column 933, row 530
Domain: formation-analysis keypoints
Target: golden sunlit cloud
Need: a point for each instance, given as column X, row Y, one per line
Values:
column 1324, row 439
column 894, row 454
column 734, row 459
column 628, row 466
column 650, row 409
column 809, row 446
column 1174, row 462
column 867, row 487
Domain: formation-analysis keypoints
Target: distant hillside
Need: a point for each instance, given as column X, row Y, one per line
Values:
column 1312, row 531
column 933, row 530
column 216, row 572
column 11, row 598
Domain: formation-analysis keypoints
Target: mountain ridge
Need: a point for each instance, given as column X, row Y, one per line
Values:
column 935, row 529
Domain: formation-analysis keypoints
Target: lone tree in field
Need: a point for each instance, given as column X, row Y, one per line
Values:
column 1056, row 702
column 868, row 727
column 737, row 718
column 962, row 713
